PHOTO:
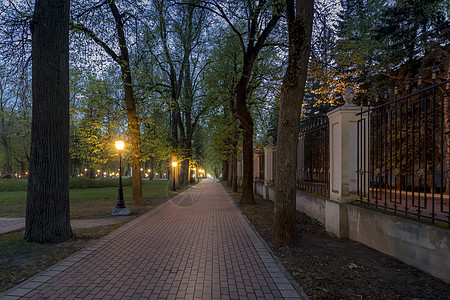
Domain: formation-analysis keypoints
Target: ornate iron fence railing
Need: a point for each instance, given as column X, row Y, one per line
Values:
column 404, row 166
column 313, row 159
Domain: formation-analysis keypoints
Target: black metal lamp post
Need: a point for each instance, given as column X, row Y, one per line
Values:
column 174, row 165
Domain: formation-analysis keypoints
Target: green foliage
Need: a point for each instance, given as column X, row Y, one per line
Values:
column 409, row 28
column 12, row 185
column 94, row 126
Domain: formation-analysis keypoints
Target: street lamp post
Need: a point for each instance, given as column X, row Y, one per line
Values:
column 174, row 165
column 120, row 209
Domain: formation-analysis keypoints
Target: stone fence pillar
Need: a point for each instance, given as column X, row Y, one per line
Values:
column 240, row 171
column 343, row 163
column 300, row 174
column 269, row 170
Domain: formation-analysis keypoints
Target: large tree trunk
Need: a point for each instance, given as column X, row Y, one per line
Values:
column 184, row 172
column 246, row 121
column 234, row 153
column 7, row 163
column 135, row 137
column 234, row 170
column 3, row 137
column 225, row 169
column 133, row 121
column 175, row 170
column 447, row 130
column 245, row 118
column 299, row 16
column 230, row 171
column 47, row 211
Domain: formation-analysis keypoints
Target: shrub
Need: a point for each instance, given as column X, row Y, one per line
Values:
column 13, row 185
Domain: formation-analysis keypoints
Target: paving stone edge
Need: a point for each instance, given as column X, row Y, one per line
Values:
column 270, row 259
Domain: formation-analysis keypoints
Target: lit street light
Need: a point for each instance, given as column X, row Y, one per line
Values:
column 174, row 165
column 120, row 209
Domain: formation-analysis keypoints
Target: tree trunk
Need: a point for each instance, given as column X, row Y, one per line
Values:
column 152, row 168
column 230, row 171
column 184, row 172
column 247, row 180
column 3, row 137
column 246, row 121
column 47, row 210
column 7, row 163
column 133, row 122
column 174, row 170
column 447, row 130
column 225, row 169
column 234, row 170
column 299, row 16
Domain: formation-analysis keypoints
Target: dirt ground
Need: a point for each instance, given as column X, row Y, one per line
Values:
column 331, row 268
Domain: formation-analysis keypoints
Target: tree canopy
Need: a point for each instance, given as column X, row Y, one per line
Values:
column 200, row 81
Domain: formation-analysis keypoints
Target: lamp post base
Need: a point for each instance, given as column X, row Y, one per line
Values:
column 120, row 211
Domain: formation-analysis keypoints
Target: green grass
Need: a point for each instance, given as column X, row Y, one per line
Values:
column 92, row 202
column 14, row 185
column 14, row 244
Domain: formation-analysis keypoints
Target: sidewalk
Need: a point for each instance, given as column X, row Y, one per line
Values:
column 197, row 245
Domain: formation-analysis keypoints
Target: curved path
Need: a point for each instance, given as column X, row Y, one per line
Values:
column 198, row 245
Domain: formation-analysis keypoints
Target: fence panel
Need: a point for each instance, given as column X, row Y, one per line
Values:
column 408, row 154
column 313, row 165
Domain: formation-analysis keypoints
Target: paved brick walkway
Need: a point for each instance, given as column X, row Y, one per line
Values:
column 11, row 224
column 196, row 246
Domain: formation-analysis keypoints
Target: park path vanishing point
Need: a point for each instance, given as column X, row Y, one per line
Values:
column 197, row 245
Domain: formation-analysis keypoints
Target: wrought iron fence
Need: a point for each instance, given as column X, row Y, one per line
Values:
column 403, row 154
column 313, row 159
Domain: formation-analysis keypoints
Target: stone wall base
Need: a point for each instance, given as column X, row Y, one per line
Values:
column 423, row 246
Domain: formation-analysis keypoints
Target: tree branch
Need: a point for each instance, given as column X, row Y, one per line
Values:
column 89, row 33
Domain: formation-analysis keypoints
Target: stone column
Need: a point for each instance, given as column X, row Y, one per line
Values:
column 239, row 171
column 268, row 169
column 343, row 163
column 300, row 160
column 255, row 170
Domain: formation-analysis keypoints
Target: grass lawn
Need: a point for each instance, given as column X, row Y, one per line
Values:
column 92, row 202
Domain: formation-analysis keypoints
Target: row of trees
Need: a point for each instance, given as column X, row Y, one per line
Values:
column 197, row 80
column 147, row 65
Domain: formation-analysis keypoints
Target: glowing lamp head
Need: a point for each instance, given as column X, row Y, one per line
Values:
column 174, row 164
column 120, row 145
